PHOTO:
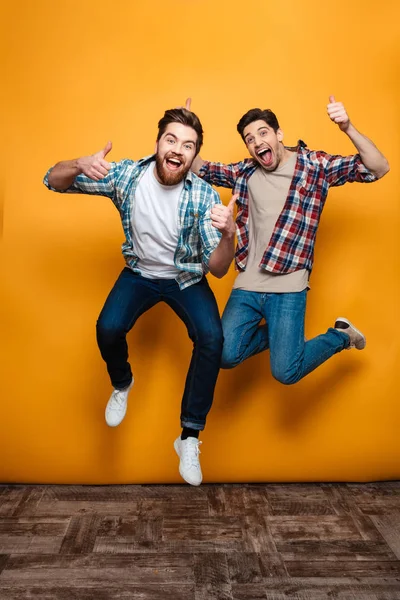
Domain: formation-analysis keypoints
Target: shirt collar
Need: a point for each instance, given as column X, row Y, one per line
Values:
column 298, row 148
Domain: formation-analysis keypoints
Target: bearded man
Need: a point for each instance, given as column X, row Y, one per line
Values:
column 176, row 230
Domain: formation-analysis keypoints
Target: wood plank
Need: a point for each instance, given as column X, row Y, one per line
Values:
column 321, row 528
column 3, row 562
column 94, row 569
column 257, row 535
column 34, row 526
column 116, row 591
column 375, row 498
column 225, row 501
column 10, row 498
column 344, row 504
column 359, row 592
column 252, row 567
column 63, row 508
column 175, row 507
column 29, row 500
column 335, row 550
column 218, row 529
column 389, row 528
column 350, row 568
column 212, row 577
column 189, row 546
column 81, row 534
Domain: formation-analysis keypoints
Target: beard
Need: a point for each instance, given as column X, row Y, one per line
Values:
column 170, row 177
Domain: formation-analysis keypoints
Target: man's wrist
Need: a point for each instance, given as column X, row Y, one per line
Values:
column 349, row 128
column 228, row 236
column 78, row 166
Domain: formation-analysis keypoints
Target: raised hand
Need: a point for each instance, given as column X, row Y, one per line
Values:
column 94, row 166
column 222, row 216
column 337, row 113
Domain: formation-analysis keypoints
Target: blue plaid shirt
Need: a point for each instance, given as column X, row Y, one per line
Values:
column 198, row 238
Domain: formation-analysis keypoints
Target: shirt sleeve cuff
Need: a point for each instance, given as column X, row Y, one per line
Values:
column 208, row 251
column 204, row 168
column 50, row 187
column 364, row 173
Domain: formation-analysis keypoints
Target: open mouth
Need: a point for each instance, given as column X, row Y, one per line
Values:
column 173, row 163
column 265, row 156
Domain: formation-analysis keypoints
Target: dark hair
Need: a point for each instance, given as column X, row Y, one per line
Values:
column 185, row 117
column 256, row 114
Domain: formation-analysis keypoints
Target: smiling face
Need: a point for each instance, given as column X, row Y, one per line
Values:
column 264, row 144
column 175, row 152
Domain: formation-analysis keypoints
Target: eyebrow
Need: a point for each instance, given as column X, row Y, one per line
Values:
column 259, row 129
column 185, row 142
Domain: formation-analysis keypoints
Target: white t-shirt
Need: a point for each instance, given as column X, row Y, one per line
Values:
column 155, row 226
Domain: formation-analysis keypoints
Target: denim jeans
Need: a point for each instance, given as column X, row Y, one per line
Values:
column 291, row 356
column 131, row 296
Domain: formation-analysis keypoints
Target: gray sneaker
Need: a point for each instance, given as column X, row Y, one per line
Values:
column 357, row 339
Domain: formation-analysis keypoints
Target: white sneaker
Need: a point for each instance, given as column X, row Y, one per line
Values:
column 357, row 339
column 189, row 467
column 117, row 405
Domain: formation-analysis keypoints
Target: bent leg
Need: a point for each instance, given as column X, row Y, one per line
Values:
column 243, row 335
column 130, row 297
column 291, row 357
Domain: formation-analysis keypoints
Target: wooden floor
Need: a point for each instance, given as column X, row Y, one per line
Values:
column 241, row 542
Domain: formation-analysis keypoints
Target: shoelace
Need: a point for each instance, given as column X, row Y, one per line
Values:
column 118, row 400
column 191, row 456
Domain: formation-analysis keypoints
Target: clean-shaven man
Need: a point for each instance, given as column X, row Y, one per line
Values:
column 281, row 195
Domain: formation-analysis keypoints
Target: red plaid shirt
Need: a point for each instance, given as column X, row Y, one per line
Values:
column 291, row 246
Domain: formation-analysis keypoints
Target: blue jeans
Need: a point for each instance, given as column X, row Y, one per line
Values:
column 291, row 356
column 131, row 296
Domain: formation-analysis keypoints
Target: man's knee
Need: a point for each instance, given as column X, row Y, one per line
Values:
column 229, row 358
column 108, row 333
column 284, row 375
column 212, row 340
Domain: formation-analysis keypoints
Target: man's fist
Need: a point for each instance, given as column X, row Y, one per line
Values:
column 337, row 113
column 222, row 217
column 94, row 166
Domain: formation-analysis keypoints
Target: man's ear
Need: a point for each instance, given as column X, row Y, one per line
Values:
column 279, row 135
column 156, row 148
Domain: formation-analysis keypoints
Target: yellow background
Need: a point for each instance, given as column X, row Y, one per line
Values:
column 80, row 73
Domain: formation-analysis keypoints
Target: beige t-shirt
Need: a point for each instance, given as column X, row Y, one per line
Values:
column 268, row 192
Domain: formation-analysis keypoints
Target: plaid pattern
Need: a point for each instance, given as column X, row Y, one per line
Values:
column 291, row 246
column 197, row 239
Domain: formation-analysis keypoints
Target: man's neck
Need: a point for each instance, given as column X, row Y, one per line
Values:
column 286, row 154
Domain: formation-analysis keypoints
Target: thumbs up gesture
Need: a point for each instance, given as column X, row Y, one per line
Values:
column 337, row 113
column 95, row 166
column 222, row 217
column 188, row 103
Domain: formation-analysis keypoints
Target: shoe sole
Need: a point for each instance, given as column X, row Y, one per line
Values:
column 363, row 342
column 180, row 472
column 115, row 424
